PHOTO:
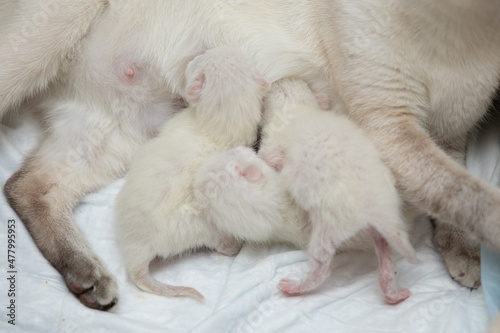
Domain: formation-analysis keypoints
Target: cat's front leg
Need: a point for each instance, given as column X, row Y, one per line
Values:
column 461, row 254
column 78, row 154
column 431, row 179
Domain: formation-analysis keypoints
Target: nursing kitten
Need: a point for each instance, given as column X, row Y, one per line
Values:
column 335, row 174
column 417, row 76
column 340, row 189
column 157, row 212
column 246, row 199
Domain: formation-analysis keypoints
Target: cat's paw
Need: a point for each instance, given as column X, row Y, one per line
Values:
column 463, row 267
column 92, row 284
column 398, row 297
column 290, row 287
column 461, row 255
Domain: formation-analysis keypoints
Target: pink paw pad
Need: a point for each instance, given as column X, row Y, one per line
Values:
column 323, row 101
column 290, row 287
column 400, row 296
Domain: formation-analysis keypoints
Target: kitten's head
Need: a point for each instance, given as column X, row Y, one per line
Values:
column 226, row 89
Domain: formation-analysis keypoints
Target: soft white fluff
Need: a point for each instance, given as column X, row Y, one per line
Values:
column 339, row 186
column 157, row 212
column 335, row 174
column 245, row 197
column 417, row 76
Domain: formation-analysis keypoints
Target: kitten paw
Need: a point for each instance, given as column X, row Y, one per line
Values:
column 290, row 287
column 398, row 297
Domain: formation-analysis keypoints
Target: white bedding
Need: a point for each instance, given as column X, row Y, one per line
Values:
column 240, row 292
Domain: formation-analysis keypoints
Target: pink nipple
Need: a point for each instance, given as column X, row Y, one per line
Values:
column 129, row 71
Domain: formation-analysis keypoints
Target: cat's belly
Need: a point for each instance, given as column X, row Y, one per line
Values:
column 122, row 57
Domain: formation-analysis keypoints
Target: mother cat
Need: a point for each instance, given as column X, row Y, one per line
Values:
column 416, row 75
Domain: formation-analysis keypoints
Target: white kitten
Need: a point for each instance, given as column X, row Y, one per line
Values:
column 417, row 76
column 246, row 199
column 335, row 174
column 341, row 187
column 157, row 212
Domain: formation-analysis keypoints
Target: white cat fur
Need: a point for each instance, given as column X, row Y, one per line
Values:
column 417, row 76
column 335, row 174
column 245, row 198
column 340, row 189
column 157, row 213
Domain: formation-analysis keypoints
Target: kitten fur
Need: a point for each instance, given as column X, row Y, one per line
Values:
column 339, row 186
column 245, row 198
column 417, row 76
column 335, row 174
column 157, row 212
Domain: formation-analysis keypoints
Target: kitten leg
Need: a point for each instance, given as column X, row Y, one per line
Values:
column 461, row 253
column 229, row 248
column 224, row 244
column 322, row 248
column 34, row 39
column 387, row 272
column 67, row 164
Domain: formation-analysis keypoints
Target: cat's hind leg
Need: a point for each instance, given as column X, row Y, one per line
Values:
column 461, row 253
column 35, row 38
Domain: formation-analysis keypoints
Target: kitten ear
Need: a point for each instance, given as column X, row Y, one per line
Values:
column 194, row 89
column 250, row 173
column 323, row 101
column 264, row 85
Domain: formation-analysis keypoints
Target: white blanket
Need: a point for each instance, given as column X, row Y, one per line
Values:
column 240, row 292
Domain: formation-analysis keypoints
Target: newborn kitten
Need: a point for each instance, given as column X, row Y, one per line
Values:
column 247, row 200
column 335, row 174
column 342, row 189
column 157, row 212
